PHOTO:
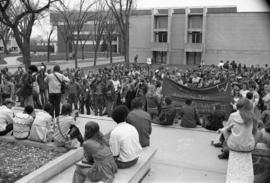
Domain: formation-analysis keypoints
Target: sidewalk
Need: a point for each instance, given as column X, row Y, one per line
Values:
column 13, row 63
column 183, row 156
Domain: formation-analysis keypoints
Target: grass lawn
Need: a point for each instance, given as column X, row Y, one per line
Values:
column 62, row 56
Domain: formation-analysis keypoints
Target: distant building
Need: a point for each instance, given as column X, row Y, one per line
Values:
column 86, row 37
column 192, row 35
column 12, row 45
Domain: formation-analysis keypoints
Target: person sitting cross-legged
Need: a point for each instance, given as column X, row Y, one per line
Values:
column 98, row 163
column 167, row 114
column 42, row 128
column 23, row 122
column 141, row 120
column 6, row 117
column 124, row 139
column 190, row 116
column 214, row 120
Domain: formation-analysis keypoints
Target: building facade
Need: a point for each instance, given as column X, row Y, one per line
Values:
column 86, row 36
column 194, row 35
column 12, row 45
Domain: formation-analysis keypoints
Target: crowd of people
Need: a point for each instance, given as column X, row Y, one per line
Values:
column 132, row 96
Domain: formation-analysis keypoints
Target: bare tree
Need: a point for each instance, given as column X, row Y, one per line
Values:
column 83, row 40
column 121, row 10
column 110, row 32
column 5, row 34
column 49, row 33
column 100, row 17
column 20, row 16
column 74, row 20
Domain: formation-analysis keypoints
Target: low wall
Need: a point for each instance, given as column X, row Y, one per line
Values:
column 261, row 163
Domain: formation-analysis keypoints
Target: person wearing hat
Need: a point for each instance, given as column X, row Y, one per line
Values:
column 6, row 116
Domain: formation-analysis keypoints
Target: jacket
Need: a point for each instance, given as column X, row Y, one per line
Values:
column 241, row 138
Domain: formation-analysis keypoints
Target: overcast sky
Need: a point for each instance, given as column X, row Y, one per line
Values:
column 242, row 6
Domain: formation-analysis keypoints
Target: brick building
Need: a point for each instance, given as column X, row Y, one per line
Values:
column 192, row 35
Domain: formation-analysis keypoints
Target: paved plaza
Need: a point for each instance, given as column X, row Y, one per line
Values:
column 183, row 156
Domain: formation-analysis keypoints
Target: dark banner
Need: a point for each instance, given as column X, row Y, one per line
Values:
column 203, row 98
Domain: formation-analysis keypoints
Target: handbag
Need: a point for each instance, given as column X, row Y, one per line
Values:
column 63, row 84
column 69, row 143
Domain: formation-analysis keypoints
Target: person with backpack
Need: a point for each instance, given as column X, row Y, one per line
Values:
column 56, row 82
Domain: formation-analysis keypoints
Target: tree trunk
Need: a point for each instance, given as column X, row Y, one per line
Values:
column 95, row 56
column 83, row 52
column 48, row 50
column 67, row 51
column 26, row 54
column 110, row 50
column 127, row 45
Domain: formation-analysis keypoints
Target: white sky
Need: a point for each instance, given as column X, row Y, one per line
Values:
column 242, row 6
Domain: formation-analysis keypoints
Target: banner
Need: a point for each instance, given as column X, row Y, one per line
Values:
column 204, row 98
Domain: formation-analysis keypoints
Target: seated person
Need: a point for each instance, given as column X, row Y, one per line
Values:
column 241, row 131
column 266, row 135
column 23, row 122
column 42, row 127
column 215, row 120
column 189, row 114
column 6, row 117
column 98, row 163
column 66, row 129
column 167, row 114
column 141, row 120
column 124, row 139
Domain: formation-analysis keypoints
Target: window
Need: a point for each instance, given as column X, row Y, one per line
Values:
column 161, row 22
column 195, row 37
column 161, row 37
column 195, row 21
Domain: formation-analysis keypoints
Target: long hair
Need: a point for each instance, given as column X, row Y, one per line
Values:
column 92, row 132
column 246, row 110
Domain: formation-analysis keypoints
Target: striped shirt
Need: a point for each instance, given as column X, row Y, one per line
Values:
column 22, row 125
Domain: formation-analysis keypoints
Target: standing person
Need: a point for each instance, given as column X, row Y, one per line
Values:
column 141, row 120
column 54, row 81
column 7, row 89
column 85, row 97
column 244, row 90
column 153, row 103
column 124, row 139
column 109, row 95
column 6, row 117
column 43, row 86
column 98, row 88
column 27, row 87
column 190, row 116
column 98, row 163
column 74, row 91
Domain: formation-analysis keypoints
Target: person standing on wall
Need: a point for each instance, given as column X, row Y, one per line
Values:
column 55, row 80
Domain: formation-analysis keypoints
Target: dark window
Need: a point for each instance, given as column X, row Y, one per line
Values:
column 161, row 37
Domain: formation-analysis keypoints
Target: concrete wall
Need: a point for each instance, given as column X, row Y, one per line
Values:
column 140, row 38
column 243, row 37
column 178, row 39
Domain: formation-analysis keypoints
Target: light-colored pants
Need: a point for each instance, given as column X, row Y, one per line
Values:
column 29, row 101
